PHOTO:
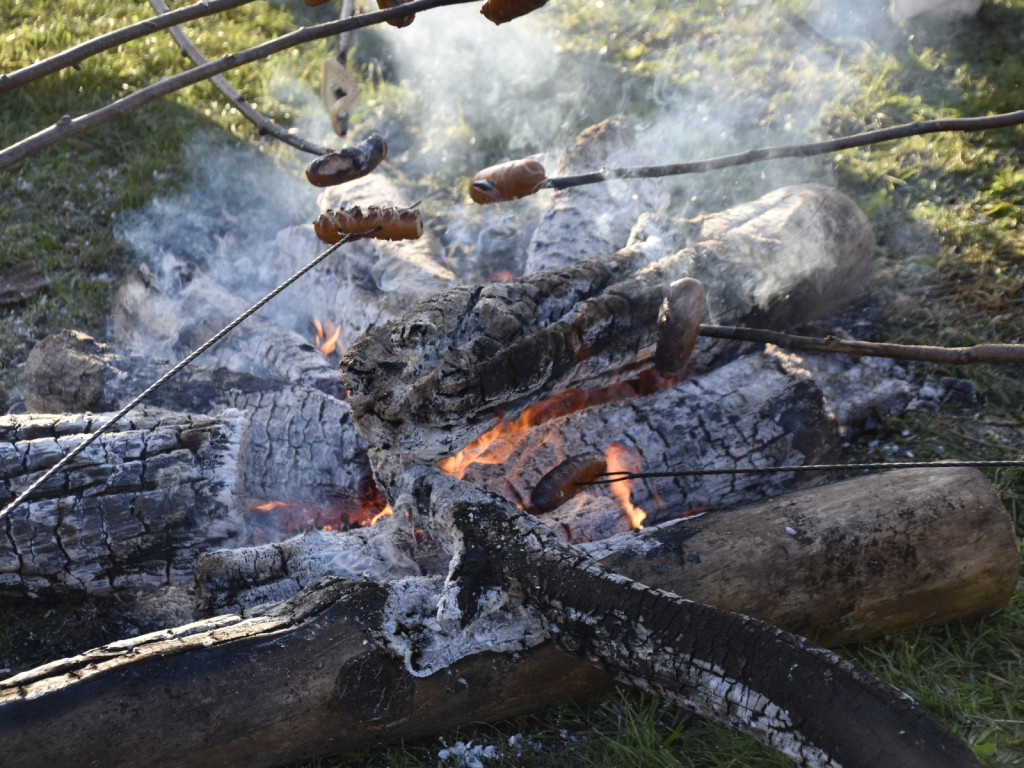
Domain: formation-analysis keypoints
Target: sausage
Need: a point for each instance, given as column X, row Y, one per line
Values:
column 507, row 181
column 562, row 483
column 500, row 11
column 394, row 223
column 347, row 164
column 678, row 325
column 401, row 21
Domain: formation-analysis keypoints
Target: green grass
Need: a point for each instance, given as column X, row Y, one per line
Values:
column 947, row 212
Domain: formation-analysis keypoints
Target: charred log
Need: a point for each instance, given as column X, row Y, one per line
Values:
column 138, row 506
column 427, row 384
column 808, row 703
column 330, row 681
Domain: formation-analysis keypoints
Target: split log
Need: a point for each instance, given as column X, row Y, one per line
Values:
column 330, row 682
column 139, row 505
column 597, row 218
column 447, row 371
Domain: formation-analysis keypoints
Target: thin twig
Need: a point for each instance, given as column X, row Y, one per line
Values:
column 217, row 337
column 253, row 115
column 792, row 150
column 614, row 477
column 67, row 126
column 980, row 353
column 73, row 57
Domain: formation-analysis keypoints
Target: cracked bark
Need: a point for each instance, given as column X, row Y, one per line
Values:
column 789, row 693
column 140, row 505
column 446, row 372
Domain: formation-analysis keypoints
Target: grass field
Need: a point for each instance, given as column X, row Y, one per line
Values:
column 696, row 79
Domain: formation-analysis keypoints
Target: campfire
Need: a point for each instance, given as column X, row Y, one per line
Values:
column 509, row 492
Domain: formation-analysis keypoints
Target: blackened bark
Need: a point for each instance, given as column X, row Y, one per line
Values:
column 789, row 693
column 446, row 372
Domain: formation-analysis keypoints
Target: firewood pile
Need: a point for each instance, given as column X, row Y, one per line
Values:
column 240, row 497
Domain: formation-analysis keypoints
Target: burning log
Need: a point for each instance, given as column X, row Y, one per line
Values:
column 140, row 505
column 331, row 675
column 442, row 375
column 749, row 408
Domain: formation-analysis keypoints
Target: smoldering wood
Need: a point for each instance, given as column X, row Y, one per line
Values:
column 140, row 505
column 584, row 221
column 146, row 317
column 811, row 705
column 329, row 683
column 134, row 509
column 749, row 412
column 446, row 372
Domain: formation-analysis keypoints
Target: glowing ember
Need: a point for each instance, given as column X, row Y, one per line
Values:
column 622, row 459
column 327, row 337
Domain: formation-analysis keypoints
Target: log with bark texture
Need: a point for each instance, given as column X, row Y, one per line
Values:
column 810, row 704
column 446, row 372
column 133, row 510
column 329, row 683
column 140, row 505
column 588, row 220
column 747, row 413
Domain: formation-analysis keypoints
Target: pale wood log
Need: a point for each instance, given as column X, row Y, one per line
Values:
column 446, row 372
column 328, row 683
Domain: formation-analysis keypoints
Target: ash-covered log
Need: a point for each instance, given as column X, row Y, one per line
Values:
column 427, row 384
column 330, row 667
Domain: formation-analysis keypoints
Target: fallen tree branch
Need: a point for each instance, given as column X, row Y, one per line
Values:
column 979, row 353
column 238, row 101
column 72, row 57
column 68, row 126
column 746, row 157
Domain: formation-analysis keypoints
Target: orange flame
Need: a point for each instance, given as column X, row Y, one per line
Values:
column 623, row 459
column 327, row 337
column 386, row 512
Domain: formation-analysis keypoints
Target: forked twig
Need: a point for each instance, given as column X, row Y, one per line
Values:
column 238, row 101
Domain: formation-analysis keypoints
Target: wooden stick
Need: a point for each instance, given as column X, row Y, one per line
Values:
column 792, row 150
column 72, row 57
column 238, row 101
column 67, row 126
column 979, row 353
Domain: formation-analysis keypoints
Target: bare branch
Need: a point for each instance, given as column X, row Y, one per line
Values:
column 980, row 353
column 67, row 126
column 72, row 57
column 792, row 150
column 254, row 116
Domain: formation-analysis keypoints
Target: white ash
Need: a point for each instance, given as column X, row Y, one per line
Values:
column 428, row 641
column 859, row 388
